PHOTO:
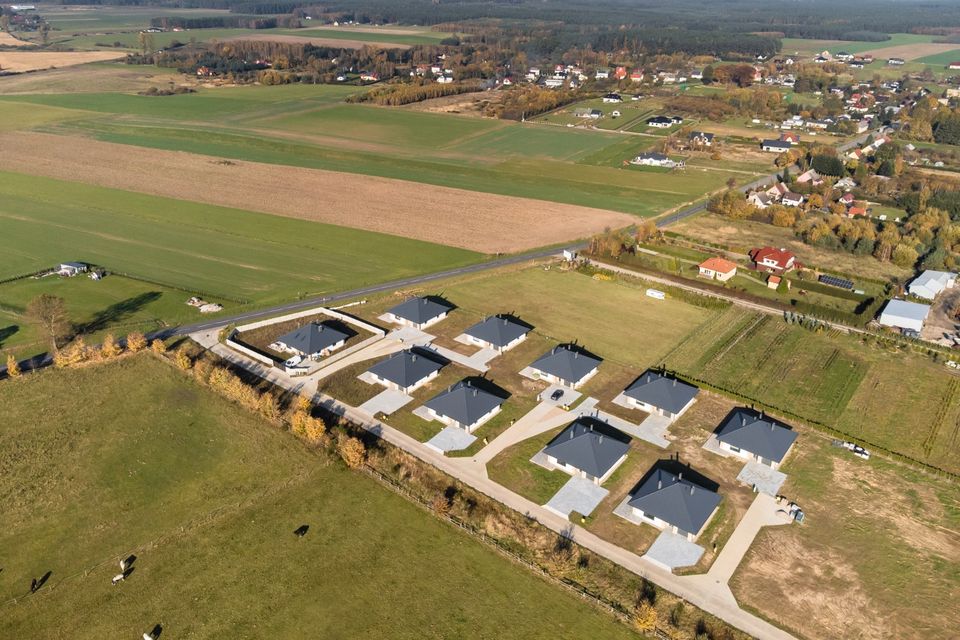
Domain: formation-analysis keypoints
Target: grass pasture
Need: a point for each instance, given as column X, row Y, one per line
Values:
column 941, row 59
column 207, row 497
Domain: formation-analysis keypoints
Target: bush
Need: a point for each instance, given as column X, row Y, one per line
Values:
column 136, row 342
column 352, row 451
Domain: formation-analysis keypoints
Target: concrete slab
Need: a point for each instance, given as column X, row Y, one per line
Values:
column 424, row 413
column 367, row 377
column 625, row 511
column 540, row 459
column 672, row 551
column 713, row 446
column 411, row 336
column 762, row 478
column 477, row 361
column 568, row 397
column 653, row 429
column 451, row 439
column 621, row 401
column 579, row 494
column 385, row 402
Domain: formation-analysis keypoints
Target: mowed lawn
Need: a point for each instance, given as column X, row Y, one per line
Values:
column 207, row 497
column 901, row 401
column 230, row 253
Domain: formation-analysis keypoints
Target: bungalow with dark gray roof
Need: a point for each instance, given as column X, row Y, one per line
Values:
column 313, row 340
column 500, row 332
column 656, row 393
column 670, row 501
column 567, row 365
column 748, row 434
column 464, row 405
column 420, row 312
column 588, row 448
column 777, row 146
column 405, row 371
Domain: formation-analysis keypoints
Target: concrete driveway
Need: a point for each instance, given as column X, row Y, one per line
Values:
column 579, row 494
column 385, row 402
column 671, row 551
column 762, row 477
column 451, row 439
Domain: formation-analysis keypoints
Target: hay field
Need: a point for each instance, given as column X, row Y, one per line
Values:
column 469, row 220
column 912, row 51
column 7, row 40
column 20, row 61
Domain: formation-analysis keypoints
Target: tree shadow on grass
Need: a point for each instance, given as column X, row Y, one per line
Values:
column 117, row 312
column 6, row 332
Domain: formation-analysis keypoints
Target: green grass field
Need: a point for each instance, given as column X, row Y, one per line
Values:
column 813, row 47
column 229, row 253
column 309, row 126
column 941, row 59
column 115, row 304
column 137, row 459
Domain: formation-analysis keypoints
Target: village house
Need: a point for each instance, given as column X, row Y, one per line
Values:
column 671, row 502
column 717, row 268
column 655, row 393
column 612, row 98
column 601, row 74
column 499, row 332
column 313, row 340
column 896, row 62
column 588, row 448
column 588, row 114
column 773, row 260
column 810, row 176
column 405, row 371
column 791, row 199
column 660, row 122
column 700, row 139
column 790, row 137
column 775, row 146
column 419, row 313
column 751, row 435
column 464, row 406
column 620, row 73
column 567, row 364
column 71, row 269
column 760, row 200
column 655, row 159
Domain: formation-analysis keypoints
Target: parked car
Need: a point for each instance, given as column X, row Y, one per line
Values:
column 556, row 395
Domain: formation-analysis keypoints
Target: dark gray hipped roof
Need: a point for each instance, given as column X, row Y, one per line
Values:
column 464, row 403
column 498, row 330
column 590, row 446
column 777, row 144
column 421, row 310
column 675, row 500
column 701, row 134
column 405, row 368
column 313, row 338
column 665, row 393
column 566, row 363
column 659, row 119
column 751, row 431
column 653, row 155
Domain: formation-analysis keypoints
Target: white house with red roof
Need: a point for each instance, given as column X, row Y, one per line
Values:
column 717, row 268
column 773, row 260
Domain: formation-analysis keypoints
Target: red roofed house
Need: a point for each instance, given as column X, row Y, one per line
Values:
column 853, row 212
column 620, row 73
column 718, row 269
column 636, row 76
column 846, row 198
column 792, row 138
column 772, row 260
column 953, row 65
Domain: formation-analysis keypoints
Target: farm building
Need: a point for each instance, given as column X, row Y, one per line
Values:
column 904, row 315
column 567, row 365
column 929, row 284
column 71, row 269
column 405, row 371
column 717, row 268
column 670, row 501
column 656, row 393
column 464, row 406
column 313, row 340
column 420, row 312
column 500, row 332
column 751, row 435
column 589, row 449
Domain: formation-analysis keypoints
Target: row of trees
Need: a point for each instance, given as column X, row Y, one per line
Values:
column 394, row 95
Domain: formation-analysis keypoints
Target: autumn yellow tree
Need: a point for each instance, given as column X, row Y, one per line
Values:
column 110, row 347
column 352, row 451
column 136, row 342
column 158, row 347
column 182, row 360
column 13, row 367
column 645, row 616
column 71, row 355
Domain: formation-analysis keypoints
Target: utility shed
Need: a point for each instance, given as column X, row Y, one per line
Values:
column 904, row 315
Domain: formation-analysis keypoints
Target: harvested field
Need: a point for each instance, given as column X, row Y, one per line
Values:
column 320, row 41
column 468, row 104
column 480, row 222
column 19, row 61
column 7, row 40
column 91, row 78
column 912, row 51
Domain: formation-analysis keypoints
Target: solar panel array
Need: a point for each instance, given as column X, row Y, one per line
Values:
column 834, row 281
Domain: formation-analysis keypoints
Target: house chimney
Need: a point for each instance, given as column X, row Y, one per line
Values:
column 674, row 382
column 475, row 392
column 743, row 421
column 413, row 357
column 600, row 440
column 680, row 476
column 659, row 484
column 648, row 378
column 571, row 434
column 691, row 489
column 576, row 354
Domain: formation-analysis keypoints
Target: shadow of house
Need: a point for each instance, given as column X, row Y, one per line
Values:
column 117, row 312
column 485, row 384
column 675, row 467
column 7, row 332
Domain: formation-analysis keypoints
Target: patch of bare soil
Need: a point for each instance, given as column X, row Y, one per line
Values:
column 20, row 61
column 482, row 222
column 911, row 51
column 469, row 104
column 320, row 41
column 7, row 40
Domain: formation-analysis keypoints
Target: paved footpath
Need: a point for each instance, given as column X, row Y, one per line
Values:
column 711, row 597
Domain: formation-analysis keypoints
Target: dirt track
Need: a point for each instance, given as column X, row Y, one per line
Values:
column 33, row 60
column 478, row 221
column 320, row 41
